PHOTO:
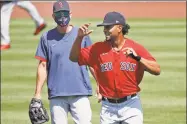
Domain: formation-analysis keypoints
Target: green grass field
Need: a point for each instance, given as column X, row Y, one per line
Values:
column 163, row 97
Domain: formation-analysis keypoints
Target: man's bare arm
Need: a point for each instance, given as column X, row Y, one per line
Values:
column 40, row 79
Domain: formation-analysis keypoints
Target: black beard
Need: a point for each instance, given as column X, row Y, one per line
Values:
column 112, row 39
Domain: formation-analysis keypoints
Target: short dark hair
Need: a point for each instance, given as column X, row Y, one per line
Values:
column 125, row 29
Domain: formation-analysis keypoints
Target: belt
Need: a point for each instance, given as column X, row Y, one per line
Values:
column 120, row 100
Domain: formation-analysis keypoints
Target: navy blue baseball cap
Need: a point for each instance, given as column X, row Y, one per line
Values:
column 113, row 18
column 61, row 5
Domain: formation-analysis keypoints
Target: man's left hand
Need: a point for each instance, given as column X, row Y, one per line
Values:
column 130, row 52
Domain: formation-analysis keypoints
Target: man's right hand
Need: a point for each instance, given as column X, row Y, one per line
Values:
column 98, row 95
column 83, row 30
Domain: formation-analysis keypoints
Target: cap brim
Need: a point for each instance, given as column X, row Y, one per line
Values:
column 105, row 24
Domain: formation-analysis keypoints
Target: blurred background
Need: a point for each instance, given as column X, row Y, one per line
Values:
column 159, row 26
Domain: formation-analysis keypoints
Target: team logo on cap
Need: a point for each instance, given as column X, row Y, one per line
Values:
column 61, row 5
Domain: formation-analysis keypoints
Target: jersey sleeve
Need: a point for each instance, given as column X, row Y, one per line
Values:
column 143, row 52
column 41, row 52
column 86, row 56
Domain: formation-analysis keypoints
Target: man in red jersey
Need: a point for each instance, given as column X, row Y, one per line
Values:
column 119, row 65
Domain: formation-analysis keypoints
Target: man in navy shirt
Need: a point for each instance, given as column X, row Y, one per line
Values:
column 68, row 83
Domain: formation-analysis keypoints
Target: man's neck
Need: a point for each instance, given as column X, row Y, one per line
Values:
column 118, row 43
column 64, row 29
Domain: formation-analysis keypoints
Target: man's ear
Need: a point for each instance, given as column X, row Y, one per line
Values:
column 70, row 14
column 53, row 16
column 120, row 28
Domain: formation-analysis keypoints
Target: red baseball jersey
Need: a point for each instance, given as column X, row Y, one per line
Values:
column 117, row 74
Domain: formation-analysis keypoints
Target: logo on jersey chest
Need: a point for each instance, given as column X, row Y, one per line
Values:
column 127, row 66
column 106, row 66
column 124, row 66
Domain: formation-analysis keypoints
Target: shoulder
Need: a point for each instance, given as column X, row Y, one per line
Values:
column 50, row 34
column 75, row 28
column 140, row 49
column 135, row 44
column 99, row 46
column 46, row 35
column 99, row 43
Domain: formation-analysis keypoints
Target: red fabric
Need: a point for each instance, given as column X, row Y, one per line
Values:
column 5, row 47
column 118, row 75
column 40, row 58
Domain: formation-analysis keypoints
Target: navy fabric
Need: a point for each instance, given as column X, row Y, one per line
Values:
column 65, row 78
column 113, row 18
column 61, row 5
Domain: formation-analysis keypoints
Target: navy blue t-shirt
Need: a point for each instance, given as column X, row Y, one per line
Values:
column 65, row 78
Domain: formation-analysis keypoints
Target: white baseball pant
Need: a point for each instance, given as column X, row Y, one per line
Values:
column 128, row 112
column 6, row 11
column 78, row 106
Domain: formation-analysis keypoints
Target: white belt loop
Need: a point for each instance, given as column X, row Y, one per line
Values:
column 128, row 97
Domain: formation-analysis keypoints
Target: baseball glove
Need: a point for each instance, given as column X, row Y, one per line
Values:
column 37, row 112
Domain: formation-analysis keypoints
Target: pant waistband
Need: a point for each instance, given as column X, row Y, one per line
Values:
column 118, row 100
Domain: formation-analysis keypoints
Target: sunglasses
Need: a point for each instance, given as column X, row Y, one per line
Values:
column 62, row 14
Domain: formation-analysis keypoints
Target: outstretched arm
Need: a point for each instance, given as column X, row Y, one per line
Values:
column 76, row 48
